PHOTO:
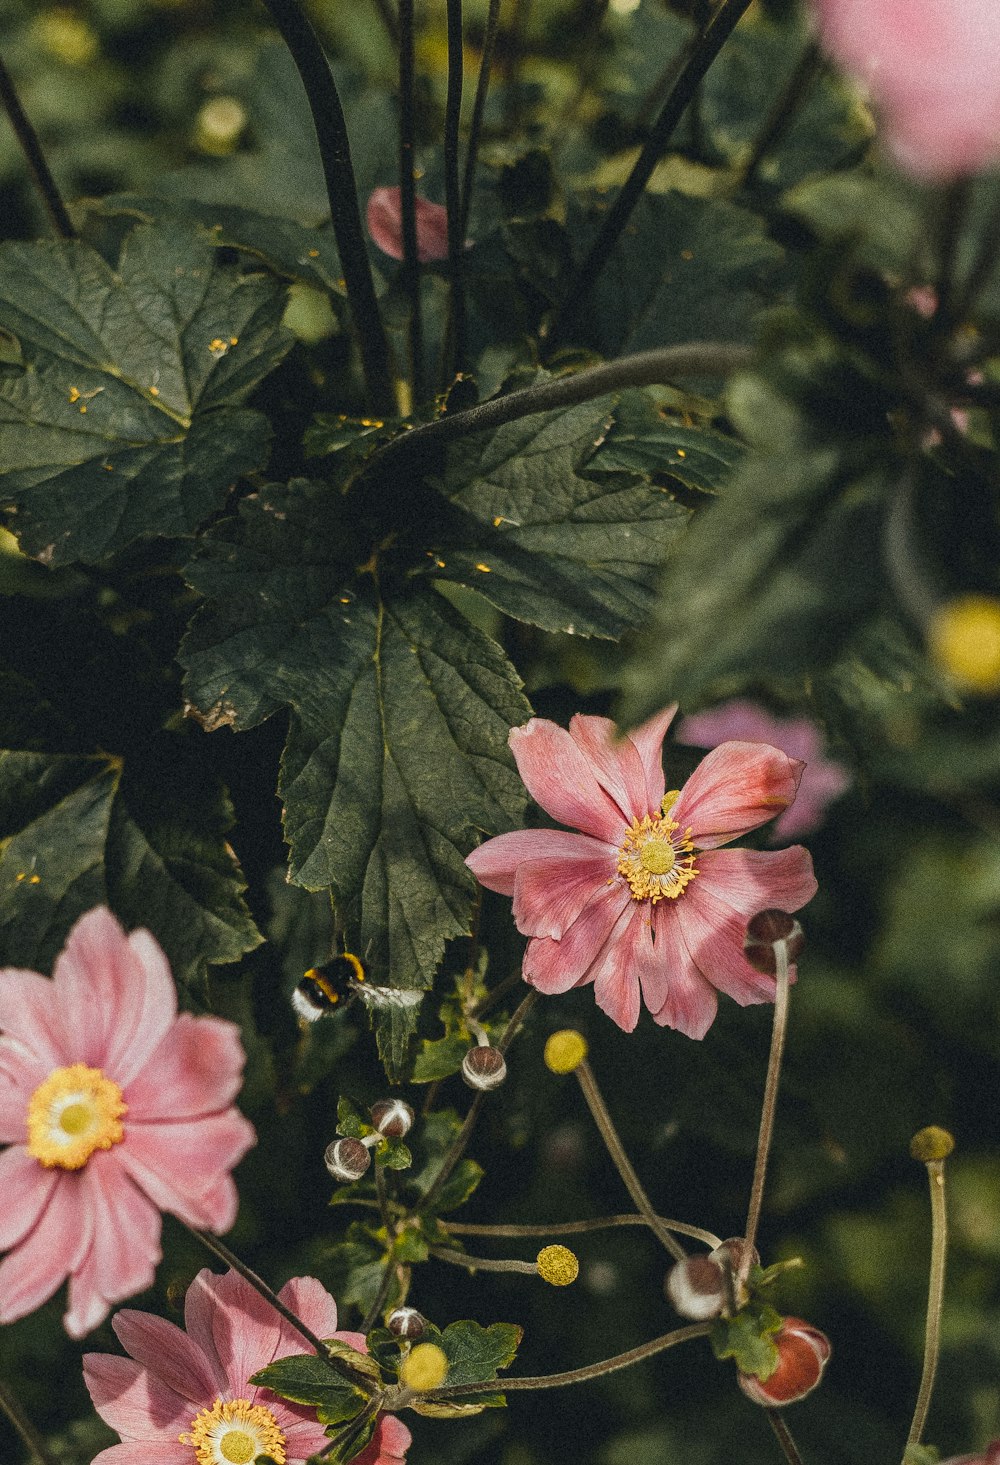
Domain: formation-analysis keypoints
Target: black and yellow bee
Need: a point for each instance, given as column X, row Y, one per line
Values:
column 338, row 981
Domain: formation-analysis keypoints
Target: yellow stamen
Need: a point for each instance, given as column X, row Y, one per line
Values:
column 73, row 1113
column 234, row 1433
column 655, row 862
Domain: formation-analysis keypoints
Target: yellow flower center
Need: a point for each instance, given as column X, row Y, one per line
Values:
column 73, row 1113
column 234, row 1434
column 656, row 862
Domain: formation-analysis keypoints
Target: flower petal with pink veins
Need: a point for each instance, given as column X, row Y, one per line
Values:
column 304, row 1436
column 124, row 1248
column 26, row 1188
column 559, row 777
column 615, row 973
column 384, row 217
column 131, row 1401
column 549, row 894
column 178, row 1165
column 713, row 933
column 648, row 742
column 615, row 761
column 148, row 1452
column 758, row 880
column 199, row 1308
column 196, row 1069
column 555, row 966
column 734, row 788
column 20, row 1075
column 32, row 1272
column 310, row 1301
column 388, row 1445
column 690, row 1003
column 245, row 1329
column 173, row 1359
column 496, row 862
column 29, row 1013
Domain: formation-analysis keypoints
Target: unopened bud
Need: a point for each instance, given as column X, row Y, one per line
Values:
column 424, row 1367
column 557, row 1265
column 803, row 1352
column 964, row 641
column 932, row 1143
column 484, row 1068
column 565, row 1050
column 347, row 1159
column 696, row 1287
column 739, row 1257
column 763, row 931
column 406, row 1322
column 392, row 1117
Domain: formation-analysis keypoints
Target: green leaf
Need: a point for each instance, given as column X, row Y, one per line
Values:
column 79, row 831
column 349, row 1121
column 439, row 1058
column 747, row 1339
column 348, row 1444
column 545, row 540
column 475, row 1353
column 921, row 1455
column 460, row 1184
column 355, row 1268
column 127, row 419
column 307, row 1379
column 411, row 1245
column 394, row 1155
column 697, row 456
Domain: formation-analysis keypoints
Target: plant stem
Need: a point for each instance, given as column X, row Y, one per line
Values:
column 385, row 1286
column 32, row 149
column 408, row 197
column 483, row 1263
column 335, row 152
column 782, row 114
column 455, row 357
column 221, row 1250
column 982, row 266
column 703, row 53
column 351, row 1431
column 778, row 1030
column 905, row 574
column 24, row 1427
column 581, row 1375
column 953, row 209
column 478, row 108
column 389, row 19
column 576, row 1228
column 592, row 1094
column 776, row 1419
column 935, row 1299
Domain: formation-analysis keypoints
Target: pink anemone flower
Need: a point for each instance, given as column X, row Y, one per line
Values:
column 384, row 217
column 643, row 900
column 184, row 1398
column 115, row 1109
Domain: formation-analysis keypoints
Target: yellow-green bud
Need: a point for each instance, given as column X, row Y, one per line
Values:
column 932, row 1143
column 564, row 1051
column 964, row 640
column 424, row 1367
column 556, row 1264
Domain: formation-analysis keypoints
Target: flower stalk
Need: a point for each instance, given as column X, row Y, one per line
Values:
column 35, row 158
column 577, row 1228
column 778, row 1031
column 408, row 196
column 776, row 1419
column 24, row 1427
column 932, row 1146
column 455, row 351
column 478, row 108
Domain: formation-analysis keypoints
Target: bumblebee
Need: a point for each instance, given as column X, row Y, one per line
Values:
column 338, row 981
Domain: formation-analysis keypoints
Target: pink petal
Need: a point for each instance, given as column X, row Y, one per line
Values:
column 735, row 788
column 20, row 1075
column 758, row 880
column 180, row 1165
column 310, row 1301
column 32, row 1272
column 148, row 1452
column 29, row 1013
column 550, row 893
column 245, row 1329
column 173, row 1360
column 648, row 742
column 196, row 1069
column 713, row 933
column 615, row 973
column 743, row 721
column 303, row 1435
column 124, row 1249
column 559, row 778
column 555, row 966
column 822, row 782
column 495, row 864
column 199, row 1312
column 690, row 1003
column 616, row 763
column 388, row 1444
column 132, row 1402
column 384, row 217
column 26, row 1188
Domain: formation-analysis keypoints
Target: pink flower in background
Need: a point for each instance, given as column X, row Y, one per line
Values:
column 115, row 1109
column 822, row 780
column 643, row 901
column 933, row 69
column 385, row 225
column 989, row 1456
column 184, row 1398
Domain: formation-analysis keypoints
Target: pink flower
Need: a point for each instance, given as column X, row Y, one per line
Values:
column 385, row 225
column 643, row 900
column 989, row 1456
column 933, row 70
column 184, row 1398
column 114, row 1108
column 822, row 780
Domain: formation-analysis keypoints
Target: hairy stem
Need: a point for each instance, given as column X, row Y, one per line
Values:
column 778, row 1030
column 576, row 1228
column 389, row 19
column 351, row 1431
column 453, row 194
column 935, row 1300
column 32, row 149
column 776, row 1419
column 781, row 116
column 483, row 1263
column 408, row 197
column 478, row 108
column 24, row 1427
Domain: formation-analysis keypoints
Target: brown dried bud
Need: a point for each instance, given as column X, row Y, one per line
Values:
column 763, row 931
column 484, row 1068
column 406, row 1322
column 392, row 1117
column 696, row 1287
column 739, row 1258
column 347, row 1159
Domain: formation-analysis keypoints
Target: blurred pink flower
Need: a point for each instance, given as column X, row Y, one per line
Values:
column 643, row 900
column 989, row 1456
column 385, row 225
column 114, row 1108
column 183, row 1398
column 822, row 780
column 933, row 69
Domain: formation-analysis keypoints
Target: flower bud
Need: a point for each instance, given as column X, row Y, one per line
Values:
column 406, row 1322
column 392, row 1117
column 565, row 1050
column 803, row 1352
column 932, row 1143
column 347, row 1159
column 964, row 641
column 763, row 931
column 557, row 1265
column 484, row 1068
column 696, row 1287
column 424, row 1367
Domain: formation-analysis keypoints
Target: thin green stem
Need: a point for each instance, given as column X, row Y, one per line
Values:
column 515, row 48
column 221, row 1250
column 776, row 1419
column 389, row 19
column 935, row 1299
column 385, row 1287
column 982, row 266
column 703, row 53
column 335, row 151
column 483, row 1263
column 498, row 993
column 781, row 116
column 953, row 209
column 598, row 1108
column 24, row 1427
column 408, row 196
column 35, row 158
column 582, row 1375
column 453, row 194
column 906, row 575
column 577, row 1228
column 778, row 1030
column 478, row 108
column 382, row 1197
column 350, row 1432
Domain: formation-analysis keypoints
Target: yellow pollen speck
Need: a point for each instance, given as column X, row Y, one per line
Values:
column 565, row 1050
column 681, row 453
column 154, row 391
column 657, row 862
column 21, row 875
column 76, row 1111
column 234, row 1433
column 314, row 254
column 234, row 340
column 557, row 1265
column 217, row 347
column 75, row 394
column 425, row 1367
column 34, row 879
column 485, row 569
column 687, row 254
